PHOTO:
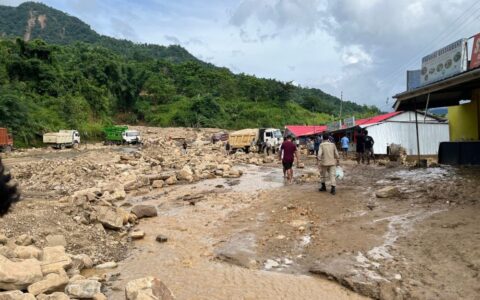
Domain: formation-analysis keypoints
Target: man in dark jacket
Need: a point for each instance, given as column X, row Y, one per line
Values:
column 8, row 192
column 360, row 147
column 369, row 142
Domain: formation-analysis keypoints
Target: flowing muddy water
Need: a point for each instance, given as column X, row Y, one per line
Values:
column 186, row 262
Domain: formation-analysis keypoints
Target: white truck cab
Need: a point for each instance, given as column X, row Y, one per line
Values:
column 131, row 137
column 273, row 137
column 62, row 139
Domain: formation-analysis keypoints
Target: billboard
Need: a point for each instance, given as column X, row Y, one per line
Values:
column 475, row 62
column 413, row 79
column 445, row 62
column 335, row 125
column 349, row 122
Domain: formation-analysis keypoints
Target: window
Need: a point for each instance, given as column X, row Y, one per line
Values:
column 269, row 134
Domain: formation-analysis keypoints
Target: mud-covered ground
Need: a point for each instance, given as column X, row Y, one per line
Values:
column 255, row 237
column 422, row 243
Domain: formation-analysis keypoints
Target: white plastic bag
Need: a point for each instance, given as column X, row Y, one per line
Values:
column 339, row 172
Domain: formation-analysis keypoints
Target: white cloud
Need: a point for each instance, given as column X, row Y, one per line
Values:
column 355, row 54
column 11, row 2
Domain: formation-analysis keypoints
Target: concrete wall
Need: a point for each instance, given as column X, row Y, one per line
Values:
column 464, row 120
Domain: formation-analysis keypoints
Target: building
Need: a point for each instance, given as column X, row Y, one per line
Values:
column 400, row 128
column 456, row 86
column 461, row 94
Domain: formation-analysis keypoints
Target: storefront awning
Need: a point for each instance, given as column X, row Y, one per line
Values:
column 447, row 92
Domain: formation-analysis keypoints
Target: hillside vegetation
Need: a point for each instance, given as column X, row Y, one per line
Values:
column 89, row 83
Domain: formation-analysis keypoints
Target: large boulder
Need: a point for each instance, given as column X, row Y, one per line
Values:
column 165, row 175
column 171, row 180
column 25, row 252
column 83, row 289
column 387, row 192
column 19, row 275
column 16, row 295
column 24, row 240
column 147, row 288
column 144, row 211
column 81, row 261
column 109, row 217
column 185, row 174
column 51, row 283
column 54, row 260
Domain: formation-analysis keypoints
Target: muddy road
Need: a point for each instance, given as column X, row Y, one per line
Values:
column 235, row 230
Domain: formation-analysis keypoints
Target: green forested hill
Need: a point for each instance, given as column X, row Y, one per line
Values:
column 32, row 20
column 84, row 85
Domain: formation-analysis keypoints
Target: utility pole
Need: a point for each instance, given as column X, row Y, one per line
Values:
column 341, row 104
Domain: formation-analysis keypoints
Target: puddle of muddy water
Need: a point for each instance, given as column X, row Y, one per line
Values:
column 186, row 262
column 253, row 179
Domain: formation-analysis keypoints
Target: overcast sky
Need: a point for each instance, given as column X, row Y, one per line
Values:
column 360, row 47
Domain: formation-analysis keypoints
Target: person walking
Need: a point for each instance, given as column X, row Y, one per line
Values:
column 360, row 147
column 369, row 142
column 288, row 153
column 184, row 147
column 227, row 148
column 345, row 141
column 268, row 147
column 316, row 144
column 328, row 158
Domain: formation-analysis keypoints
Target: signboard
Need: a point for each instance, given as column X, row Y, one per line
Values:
column 475, row 62
column 445, row 62
column 349, row 122
column 336, row 125
column 413, row 79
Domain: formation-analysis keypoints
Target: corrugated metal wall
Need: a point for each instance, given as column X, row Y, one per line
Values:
column 430, row 134
column 409, row 116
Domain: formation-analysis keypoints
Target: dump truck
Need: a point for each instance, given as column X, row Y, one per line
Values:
column 114, row 134
column 121, row 135
column 6, row 140
column 255, row 139
column 62, row 139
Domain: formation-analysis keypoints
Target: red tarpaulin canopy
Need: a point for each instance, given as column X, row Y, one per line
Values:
column 299, row 130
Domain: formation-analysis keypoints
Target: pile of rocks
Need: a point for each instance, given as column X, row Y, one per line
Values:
column 28, row 272
column 49, row 273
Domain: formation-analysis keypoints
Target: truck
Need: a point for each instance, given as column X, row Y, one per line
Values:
column 255, row 139
column 131, row 137
column 117, row 135
column 6, row 140
column 62, row 139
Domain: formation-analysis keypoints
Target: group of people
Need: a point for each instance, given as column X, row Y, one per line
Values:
column 365, row 147
column 327, row 155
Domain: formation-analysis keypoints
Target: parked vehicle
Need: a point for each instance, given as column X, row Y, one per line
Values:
column 121, row 135
column 6, row 140
column 131, row 137
column 219, row 136
column 62, row 139
column 114, row 134
column 255, row 139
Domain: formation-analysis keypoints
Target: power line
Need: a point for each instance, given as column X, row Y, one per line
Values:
column 393, row 79
column 446, row 32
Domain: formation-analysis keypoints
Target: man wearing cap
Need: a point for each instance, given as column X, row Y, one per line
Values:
column 328, row 158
